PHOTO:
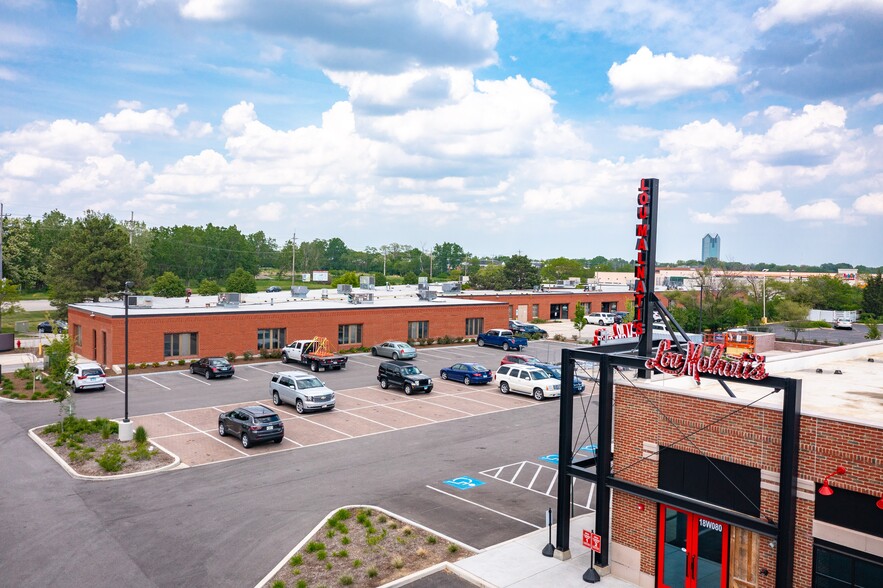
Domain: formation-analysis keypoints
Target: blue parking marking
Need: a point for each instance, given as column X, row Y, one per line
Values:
column 551, row 458
column 589, row 448
column 463, row 483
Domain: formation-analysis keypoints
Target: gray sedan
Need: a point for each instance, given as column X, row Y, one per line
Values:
column 394, row 350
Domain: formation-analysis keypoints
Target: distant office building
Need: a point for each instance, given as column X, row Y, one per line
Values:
column 711, row 247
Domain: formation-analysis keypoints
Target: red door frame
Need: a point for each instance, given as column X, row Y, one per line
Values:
column 692, row 547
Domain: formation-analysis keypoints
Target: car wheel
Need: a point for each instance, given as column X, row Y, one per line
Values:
column 279, row 440
column 395, row 356
column 192, row 370
column 299, row 406
column 284, row 358
column 384, row 383
column 466, row 381
column 314, row 365
column 444, row 375
column 481, row 342
column 222, row 430
column 102, row 388
column 538, row 394
column 504, row 387
column 246, row 442
column 505, row 347
column 601, row 323
column 373, row 352
column 208, row 374
column 408, row 389
column 276, row 399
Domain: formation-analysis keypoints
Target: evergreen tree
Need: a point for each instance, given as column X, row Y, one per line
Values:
column 872, row 295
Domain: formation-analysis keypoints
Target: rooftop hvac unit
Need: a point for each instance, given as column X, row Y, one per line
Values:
column 422, row 285
column 140, row 301
column 422, row 280
column 366, row 282
column 344, row 288
column 229, row 299
column 428, row 295
column 299, row 291
column 451, row 287
column 361, row 298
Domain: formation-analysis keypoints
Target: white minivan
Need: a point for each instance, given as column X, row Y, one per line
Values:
column 87, row 376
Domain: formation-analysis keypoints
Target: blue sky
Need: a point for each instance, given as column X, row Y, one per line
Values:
column 503, row 126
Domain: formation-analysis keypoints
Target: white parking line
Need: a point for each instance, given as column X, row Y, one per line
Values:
column 502, row 514
column 238, row 378
column 204, row 433
column 371, row 365
column 201, row 381
column 518, row 471
column 117, row 389
column 155, row 382
column 261, row 369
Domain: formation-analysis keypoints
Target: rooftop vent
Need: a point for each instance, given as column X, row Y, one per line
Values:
column 141, row 301
column 366, row 282
column 229, row 299
column 299, row 291
column 451, row 287
column 344, row 288
column 360, row 298
column 428, row 295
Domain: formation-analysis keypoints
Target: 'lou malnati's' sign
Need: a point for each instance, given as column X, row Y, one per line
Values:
column 750, row 366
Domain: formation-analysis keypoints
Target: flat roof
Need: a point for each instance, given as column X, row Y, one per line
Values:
column 275, row 302
column 854, row 395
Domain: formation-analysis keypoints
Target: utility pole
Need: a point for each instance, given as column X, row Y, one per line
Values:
column 131, row 227
column 1, row 240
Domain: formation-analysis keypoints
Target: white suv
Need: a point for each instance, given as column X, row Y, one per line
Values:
column 601, row 318
column 304, row 390
column 527, row 379
column 87, row 376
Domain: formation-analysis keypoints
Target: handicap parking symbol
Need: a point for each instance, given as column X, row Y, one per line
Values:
column 464, row 483
column 551, row 458
column 589, row 448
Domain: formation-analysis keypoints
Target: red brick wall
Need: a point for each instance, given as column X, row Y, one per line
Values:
column 547, row 299
column 220, row 332
column 750, row 437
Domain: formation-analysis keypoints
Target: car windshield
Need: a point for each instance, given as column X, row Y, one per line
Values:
column 310, row 383
column 555, row 373
column 267, row 419
column 410, row 371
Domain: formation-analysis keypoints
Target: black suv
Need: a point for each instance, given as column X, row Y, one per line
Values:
column 252, row 424
column 405, row 375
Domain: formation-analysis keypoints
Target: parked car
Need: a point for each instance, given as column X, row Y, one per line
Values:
column 527, row 328
column 252, row 424
column 601, row 318
column 555, row 371
column 519, row 358
column 274, row 289
column 527, row 379
column 468, row 373
column 212, row 367
column 301, row 389
column 406, row 376
column 621, row 314
column 843, row 323
column 52, row 327
column 395, row 350
column 87, row 376
column 502, row 338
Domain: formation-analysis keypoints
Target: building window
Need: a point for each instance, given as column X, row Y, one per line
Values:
column 271, row 338
column 511, row 315
column 535, row 311
column 608, row 307
column 418, row 329
column 349, row 334
column 78, row 335
column 178, row 344
column 839, row 566
column 587, row 307
column 474, row 326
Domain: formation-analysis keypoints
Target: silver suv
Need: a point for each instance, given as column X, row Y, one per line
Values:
column 304, row 390
column 527, row 379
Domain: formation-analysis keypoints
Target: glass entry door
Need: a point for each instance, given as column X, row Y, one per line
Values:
column 692, row 550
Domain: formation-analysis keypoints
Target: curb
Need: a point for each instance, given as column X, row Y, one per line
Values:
column 32, row 433
column 393, row 584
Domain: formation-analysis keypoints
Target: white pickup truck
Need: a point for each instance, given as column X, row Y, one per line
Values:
column 314, row 353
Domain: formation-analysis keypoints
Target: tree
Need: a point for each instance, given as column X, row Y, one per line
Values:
column 59, row 363
column 492, row 277
column 520, row 273
column 241, row 281
column 579, row 317
column 21, row 259
column 826, row 293
column 562, row 268
column 9, row 297
column 447, row 256
column 788, row 310
column 336, row 252
column 208, row 288
column 873, row 330
column 169, row 285
column 872, row 295
column 93, row 261
column 409, row 278
column 351, row 278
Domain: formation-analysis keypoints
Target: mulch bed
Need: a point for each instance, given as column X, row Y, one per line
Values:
column 90, row 467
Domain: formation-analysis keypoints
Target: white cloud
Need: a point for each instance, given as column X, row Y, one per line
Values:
column 155, row 120
column 25, row 165
column 61, row 139
column 772, row 203
column 800, row 11
column 869, row 204
column 821, row 210
column 704, row 218
column 272, row 211
column 645, row 78
column 130, row 104
column 871, row 101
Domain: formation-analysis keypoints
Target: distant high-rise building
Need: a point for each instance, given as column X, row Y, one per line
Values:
column 711, row 247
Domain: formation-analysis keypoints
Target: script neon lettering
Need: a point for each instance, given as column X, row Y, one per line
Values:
column 749, row 366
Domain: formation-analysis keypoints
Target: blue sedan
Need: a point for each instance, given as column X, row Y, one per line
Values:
column 468, row 373
column 555, row 372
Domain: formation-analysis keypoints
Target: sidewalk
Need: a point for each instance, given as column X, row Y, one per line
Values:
column 519, row 563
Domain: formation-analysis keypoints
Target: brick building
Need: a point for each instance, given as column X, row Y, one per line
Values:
column 168, row 329
column 679, row 443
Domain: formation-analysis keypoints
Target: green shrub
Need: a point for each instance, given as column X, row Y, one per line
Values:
column 155, row 364
column 278, row 584
column 140, row 435
column 357, row 563
column 112, row 459
column 453, row 548
column 24, row 373
column 247, row 355
column 398, row 563
column 170, row 363
column 346, row 580
column 321, row 555
column 328, row 565
column 143, row 365
column 264, row 353
column 131, row 366
column 341, row 553
column 345, row 541
column 140, row 452
column 296, row 560
column 231, row 357
column 107, row 430
column 81, row 455
column 432, row 540
column 330, row 533
column 301, row 584
column 29, row 385
column 372, row 572
column 314, row 546
column 181, row 362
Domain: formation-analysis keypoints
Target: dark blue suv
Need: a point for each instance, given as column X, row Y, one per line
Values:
column 555, row 371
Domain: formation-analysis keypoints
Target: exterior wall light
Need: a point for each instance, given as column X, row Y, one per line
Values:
column 826, row 490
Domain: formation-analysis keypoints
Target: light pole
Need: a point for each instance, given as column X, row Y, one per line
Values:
column 126, row 427
column 764, row 271
column 701, row 288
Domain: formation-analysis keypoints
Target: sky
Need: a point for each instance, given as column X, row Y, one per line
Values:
column 511, row 126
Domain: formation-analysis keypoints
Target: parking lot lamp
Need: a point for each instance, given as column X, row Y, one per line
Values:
column 764, row 271
column 126, row 427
